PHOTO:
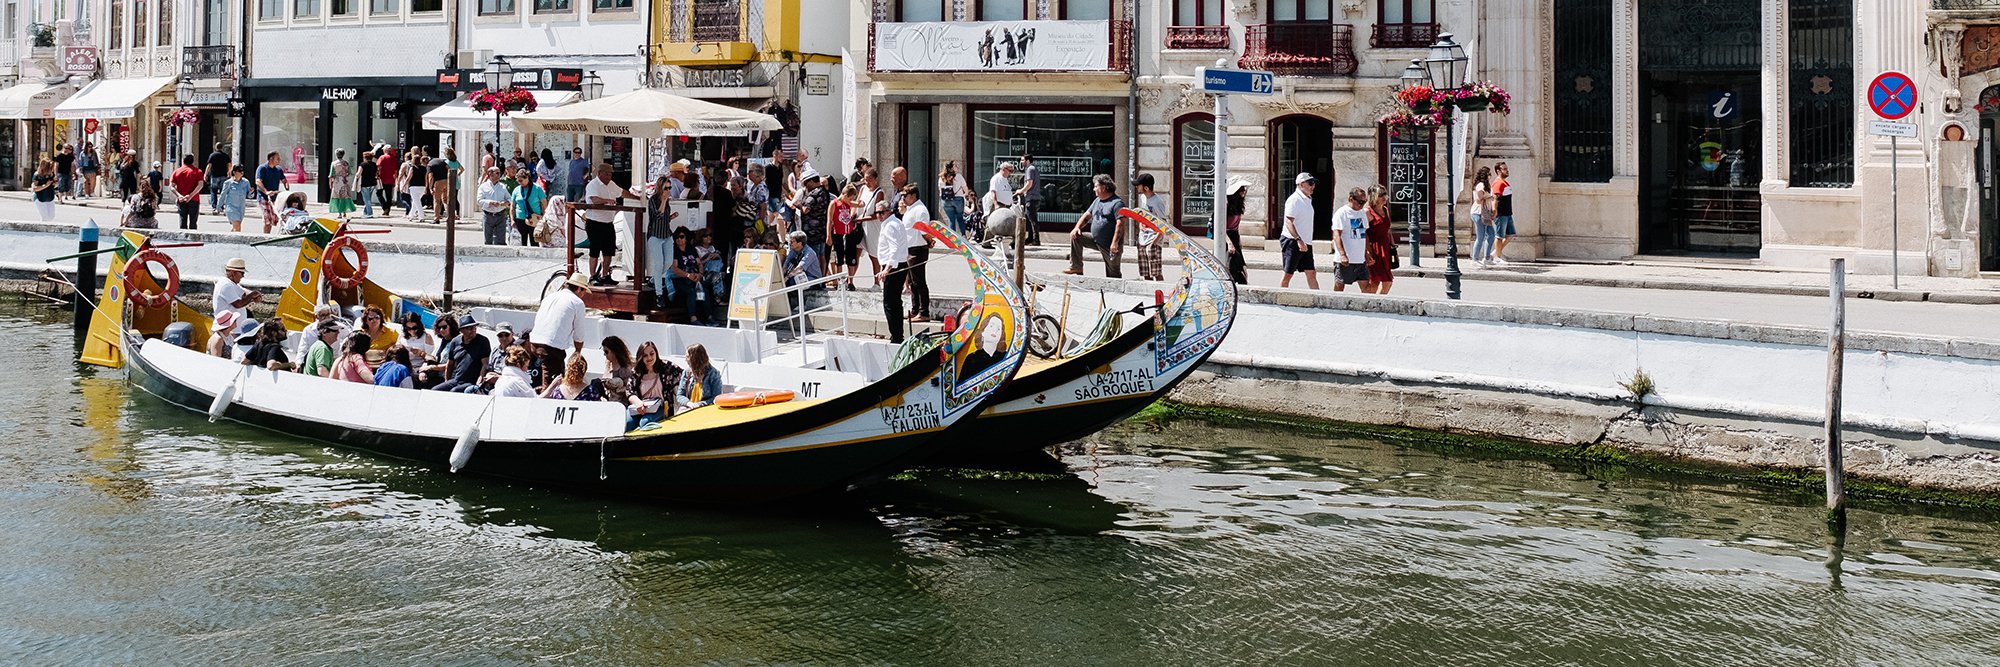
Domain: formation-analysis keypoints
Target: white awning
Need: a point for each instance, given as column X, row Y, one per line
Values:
column 459, row 115
column 112, row 98
column 648, row 114
column 32, row 100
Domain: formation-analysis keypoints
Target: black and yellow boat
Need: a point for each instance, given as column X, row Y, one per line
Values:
column 706, row 454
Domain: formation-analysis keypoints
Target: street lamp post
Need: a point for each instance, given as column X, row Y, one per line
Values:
column 593, row 88
column 1414, row 76
column 1446, row 67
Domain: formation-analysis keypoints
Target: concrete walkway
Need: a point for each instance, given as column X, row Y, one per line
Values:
column 1746, row 294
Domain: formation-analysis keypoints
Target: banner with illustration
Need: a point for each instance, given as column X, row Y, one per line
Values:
column 754, row 269
column 992, row 46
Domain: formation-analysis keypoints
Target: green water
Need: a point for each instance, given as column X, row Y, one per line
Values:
column 139, row 534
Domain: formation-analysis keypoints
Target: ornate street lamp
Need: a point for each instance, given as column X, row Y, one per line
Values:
column 1415, row 75
column 1446, row 66
column 593, row 86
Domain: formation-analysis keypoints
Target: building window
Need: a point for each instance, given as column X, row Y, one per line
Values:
column 1198, row 25
column 1582, row 86
column 340, row 7
column 138, row 24
column 423, row 6
column 493, row 6
column 1301, row 10
column 1005, row 10
column 117, row 27
column 166, row 32
column 383, row 6
column 920, row 11
column 1086, row 10
column 1068, row 146
column 611, row 5
column 1822, row 92
column 305, row 9
column 1405, row 24
column 1198, row 12
column 551, row 6
column 1194, row 170
column 291, row 129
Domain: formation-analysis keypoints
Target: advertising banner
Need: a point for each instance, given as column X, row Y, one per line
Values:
column 992, row 46
column 752, row 280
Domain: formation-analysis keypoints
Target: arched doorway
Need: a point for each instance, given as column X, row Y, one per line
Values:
column 1301, row 143
column 1989, row 192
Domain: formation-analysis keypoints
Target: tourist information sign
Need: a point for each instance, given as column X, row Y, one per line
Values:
column 1222, row 81
column 1893, row 95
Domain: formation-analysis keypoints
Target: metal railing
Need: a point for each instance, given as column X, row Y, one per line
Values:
column 202, row 63
column 1403, row 35
column 798, row 320
column 1198, row 37
column 1302, row 48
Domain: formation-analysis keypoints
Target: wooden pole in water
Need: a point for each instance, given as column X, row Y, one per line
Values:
column 1836, row 346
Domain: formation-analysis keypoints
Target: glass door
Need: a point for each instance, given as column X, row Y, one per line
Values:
column 1989, row 198
column 1702, row 160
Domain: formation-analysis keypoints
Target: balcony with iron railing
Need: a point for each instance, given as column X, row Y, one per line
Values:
column 1303, row 48
column 208, row 63
column 1403, row 35
column 1198, row 37
column 712, row 33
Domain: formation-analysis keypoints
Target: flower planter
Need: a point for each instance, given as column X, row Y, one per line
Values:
column 1472, row 104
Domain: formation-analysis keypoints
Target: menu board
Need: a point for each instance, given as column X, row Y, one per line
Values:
column 1410, row 179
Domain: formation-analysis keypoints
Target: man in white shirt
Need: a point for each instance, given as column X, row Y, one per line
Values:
column 1295, row 240
column 230, row 295
column 894, row 251
column 598, row 229
column 559, row 325
column 1350, row 241
column 495, row 205
column 919, row 244
column 1001, row 186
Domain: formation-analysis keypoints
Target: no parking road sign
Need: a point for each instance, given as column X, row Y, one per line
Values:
column 1892, row 95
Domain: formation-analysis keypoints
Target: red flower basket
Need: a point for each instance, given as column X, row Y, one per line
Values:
column 506, row 101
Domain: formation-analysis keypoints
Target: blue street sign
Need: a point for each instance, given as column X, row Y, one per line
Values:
column 1219, row 80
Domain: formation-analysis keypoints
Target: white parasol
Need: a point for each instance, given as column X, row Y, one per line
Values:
column 646, row 114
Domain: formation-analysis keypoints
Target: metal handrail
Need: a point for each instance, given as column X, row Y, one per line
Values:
column 799, row 313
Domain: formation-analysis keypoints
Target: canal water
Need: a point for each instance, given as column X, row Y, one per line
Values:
column 139, row 534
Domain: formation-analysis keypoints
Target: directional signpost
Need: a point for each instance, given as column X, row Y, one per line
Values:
column 1892, row 96
column 1221, row 82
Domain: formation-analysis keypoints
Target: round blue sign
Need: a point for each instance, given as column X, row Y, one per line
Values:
column 1892, row 95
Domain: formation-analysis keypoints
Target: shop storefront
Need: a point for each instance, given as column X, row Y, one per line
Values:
column 1069, row 146
column 25, row 132
column 305, row 121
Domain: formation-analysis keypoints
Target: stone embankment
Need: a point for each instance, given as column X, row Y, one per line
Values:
column 1920, row 411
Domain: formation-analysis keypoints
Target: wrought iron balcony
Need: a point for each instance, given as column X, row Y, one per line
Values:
column 711, row 33
column 1403, row 35
column 1303, row 48
column 206, row 63
column 1198, row 37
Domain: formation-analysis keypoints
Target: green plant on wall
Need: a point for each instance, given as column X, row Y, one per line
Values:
column 44, row 34
column 1639, row 386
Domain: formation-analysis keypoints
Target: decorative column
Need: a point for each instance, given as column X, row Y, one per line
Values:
column 1775, row 91
column 1891, row 37
column 1505, row 29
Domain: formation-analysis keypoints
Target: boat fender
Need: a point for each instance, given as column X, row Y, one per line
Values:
column 744, row 399
column 226, row 396
column 137, row 266
column 461, row 453
column 357, row 272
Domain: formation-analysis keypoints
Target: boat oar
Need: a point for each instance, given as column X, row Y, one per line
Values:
column 226, row 396
column 461, row 452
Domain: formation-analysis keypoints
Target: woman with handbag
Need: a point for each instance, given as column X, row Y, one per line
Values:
column 530, row 200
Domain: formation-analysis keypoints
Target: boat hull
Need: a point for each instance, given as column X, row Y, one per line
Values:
column 739, row 463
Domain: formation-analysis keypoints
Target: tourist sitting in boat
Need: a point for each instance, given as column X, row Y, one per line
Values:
column 503, row 334
column 619, row 375
column 376, row 325
column 465, row 358
column 512, row 378
column 319, row 356
column 573, row 385
column 431, row 372
column 703, row 382
column 658, row 379
column 325, row 314
column 395, row 369
column 220, row 336
column 418, row 341
column 269, row 350
column 353, row 363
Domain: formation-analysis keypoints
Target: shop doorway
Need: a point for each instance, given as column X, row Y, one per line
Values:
column 919, row 153
column 1303, row 143
column 1702, row 153
column 1989, row 194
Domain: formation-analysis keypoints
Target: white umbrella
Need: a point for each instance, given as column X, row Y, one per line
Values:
column 646, row 114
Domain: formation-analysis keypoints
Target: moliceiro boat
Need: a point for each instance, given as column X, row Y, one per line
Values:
column 759, row 452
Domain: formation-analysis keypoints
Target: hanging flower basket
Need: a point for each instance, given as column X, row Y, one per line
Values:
column 1418, row 99
column 1484, row 96
column 507, row 101
column 183, row 118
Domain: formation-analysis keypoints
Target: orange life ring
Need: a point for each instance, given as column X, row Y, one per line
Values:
column 136, row 266
column 744, row 399
column 334, row 257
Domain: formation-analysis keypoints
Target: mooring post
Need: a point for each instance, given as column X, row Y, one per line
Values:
column 1836, row 345
column 86, row 277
